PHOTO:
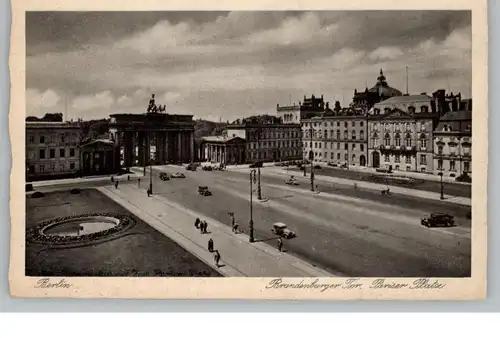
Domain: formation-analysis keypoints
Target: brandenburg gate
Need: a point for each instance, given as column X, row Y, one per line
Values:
column 172, row 136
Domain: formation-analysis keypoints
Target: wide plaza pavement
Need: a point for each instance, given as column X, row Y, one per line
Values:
column 355, row 232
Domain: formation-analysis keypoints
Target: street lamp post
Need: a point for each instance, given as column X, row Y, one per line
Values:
column 311, row 158
column 252, row 177
column 442, row 187
column 259, row 191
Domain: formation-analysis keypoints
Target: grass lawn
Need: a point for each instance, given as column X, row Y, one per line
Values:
column 140, row 251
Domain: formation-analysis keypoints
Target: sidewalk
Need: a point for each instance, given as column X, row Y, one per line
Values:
column 239, row 257
column 368, row 170
column 77, row 180
column 279, row 172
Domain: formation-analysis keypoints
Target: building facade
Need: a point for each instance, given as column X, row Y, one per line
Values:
column 381, row 91
column 269, row 142
column 52, row 150
column 338, row 138
column 223, row 149
column 97, row 157
column 400, row 133
column 453, row 144
column 293, row 114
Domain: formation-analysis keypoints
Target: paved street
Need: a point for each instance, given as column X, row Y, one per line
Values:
column 355, row 232
column 449, row 188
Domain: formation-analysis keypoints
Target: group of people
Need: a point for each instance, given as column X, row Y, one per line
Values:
column 202, row 225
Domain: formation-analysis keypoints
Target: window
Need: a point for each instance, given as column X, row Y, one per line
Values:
column 315, row 145
column 398, row 140
column 31, row 155
column 326, row 155
column 387, row 139
column 353, row 134
column 346, row 157
column 440, row 150
column 362, row 135
column 326, row 133
column 42, row 153
column 353, row 158
column 338, row 156
column 386, row 158
column 452, row 165
column 319, row 145
column 338, row 134
column 423, row 159
column 345, row 124
column 408, row 159
column 466, row 166
column 61, row 138
column 353, row 123
column 423, row 141
column 42, row 168
column 332, row 156
column 331, row 133
column 305, row 146
column 346, row 146
column 361, row 123
column 346, row 136
column 31, row 139
column 338, row 146
column 338, row 124
column 408, row 140
column 61, row 152
column 397, row 158
column 362, row 147
column 42, row 139
column 52, row 167
column 353, row 146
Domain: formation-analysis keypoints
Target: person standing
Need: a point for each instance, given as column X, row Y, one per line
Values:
column 116, row 184
column 197, row 223
column 139, row 182
column 280, row 244
column 202, row 227
column 211, row 245
column 217, row 258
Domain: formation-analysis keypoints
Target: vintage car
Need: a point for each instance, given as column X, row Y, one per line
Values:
column 203, row 190
column 438, row 220
column 191, row 167
column 178, row 175
column 280, row 229
column 207, row 168
column 163, row 176
column 291, row 181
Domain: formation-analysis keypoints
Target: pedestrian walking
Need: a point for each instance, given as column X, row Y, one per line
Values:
column 235, row 227
column 205, row 228
column 197, row 223
column 148, row 192
column 280, row 244
column 139, row 182
column 211, row 245
column 202, row 226
column 128, row 177
column 116, row 184
column 112, row 179
column 217, row 258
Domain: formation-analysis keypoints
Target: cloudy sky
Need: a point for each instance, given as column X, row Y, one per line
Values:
column 226, row 65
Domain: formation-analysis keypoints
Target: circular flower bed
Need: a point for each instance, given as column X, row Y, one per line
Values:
column 39, row 233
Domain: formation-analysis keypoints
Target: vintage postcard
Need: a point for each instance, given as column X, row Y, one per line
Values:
column 262, row 150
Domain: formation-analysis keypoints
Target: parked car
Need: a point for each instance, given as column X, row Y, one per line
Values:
column 317, row 166
column 331, row 164
column 163, row 176
column 257, row 164
column 280, row 229
column 203, row 190
column 178, row 175
column 438, row 220
column 207, row 168
column 291, row 181
column 191, row 167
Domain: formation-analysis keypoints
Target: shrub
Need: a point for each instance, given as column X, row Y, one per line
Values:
column 37, row 194
column 464, row 177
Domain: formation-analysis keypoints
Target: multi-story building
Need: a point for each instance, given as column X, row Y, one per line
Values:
column 381, row 91
column 269, row 142
column 293, row 114
column 400, row 133
column 52, row 149
column 453, row 144
column 336, row 137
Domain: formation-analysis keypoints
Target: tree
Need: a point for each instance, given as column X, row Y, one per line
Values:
column 337, row 106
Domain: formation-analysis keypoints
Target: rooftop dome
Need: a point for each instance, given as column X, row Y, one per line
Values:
column 383, row 88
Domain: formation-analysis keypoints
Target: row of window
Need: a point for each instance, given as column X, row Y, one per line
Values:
column 337, row 135
column 52, row 153
column 452, row 166
column 276, row 144
column 453, row 150
column 318, row 155
column 317, row 145
column 325, row 124
column 269, row 154
column 61, row 138
column 52, row 167
column 408, row 142
column 396, row 126
column 407, row 159
column 263, row 135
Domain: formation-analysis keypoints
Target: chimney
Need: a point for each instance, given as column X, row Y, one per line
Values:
column 439, row 95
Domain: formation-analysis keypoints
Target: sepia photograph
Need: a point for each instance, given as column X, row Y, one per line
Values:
column 301, row 144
